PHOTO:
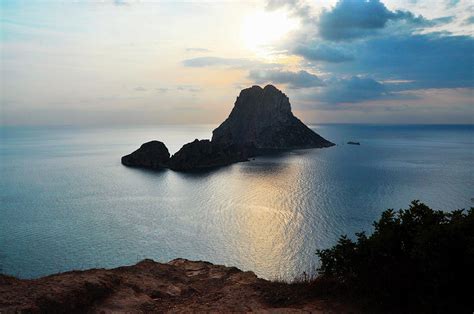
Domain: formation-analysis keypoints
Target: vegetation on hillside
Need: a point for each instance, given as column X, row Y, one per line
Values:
column 416, row 258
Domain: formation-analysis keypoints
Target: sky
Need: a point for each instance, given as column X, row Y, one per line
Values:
column 181, row 62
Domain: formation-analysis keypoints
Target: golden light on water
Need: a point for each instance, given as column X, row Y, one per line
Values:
column 266, row 230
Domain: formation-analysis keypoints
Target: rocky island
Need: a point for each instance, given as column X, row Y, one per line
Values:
column 153, row 155
column 260, row 122
column 263, row 118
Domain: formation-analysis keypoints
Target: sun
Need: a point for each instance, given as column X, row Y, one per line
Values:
column 262, row 29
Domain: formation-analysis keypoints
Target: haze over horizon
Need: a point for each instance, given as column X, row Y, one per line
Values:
column 133, row 62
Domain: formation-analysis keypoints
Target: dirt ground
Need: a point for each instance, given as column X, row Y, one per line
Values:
column 175, row 287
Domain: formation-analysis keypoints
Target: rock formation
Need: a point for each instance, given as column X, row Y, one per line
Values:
column 263, row 117
column 260, row 121
column 153, row 155
column 206, row 154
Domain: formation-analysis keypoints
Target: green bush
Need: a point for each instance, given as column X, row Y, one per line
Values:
column 416, row 258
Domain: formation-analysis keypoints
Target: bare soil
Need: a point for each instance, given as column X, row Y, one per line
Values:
column 175, row 287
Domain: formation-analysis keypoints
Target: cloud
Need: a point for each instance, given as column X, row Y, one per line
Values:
column 352, row 90
column 322, row 52
column 200, row 62
column 238, row 63
column 140, row 89
column 188, row 88
column 350, row 19
column 197, row 50
column 181, row 88
column 340, row 41
column 442, row 20
column 301, row 79
column 299, row 8
column 429, row 60
column 452, row 3
column 469, row 21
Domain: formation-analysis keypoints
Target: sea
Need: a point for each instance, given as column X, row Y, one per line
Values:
column 67, row 203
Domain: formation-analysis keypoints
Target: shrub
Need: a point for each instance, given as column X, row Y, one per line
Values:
column 416, row 258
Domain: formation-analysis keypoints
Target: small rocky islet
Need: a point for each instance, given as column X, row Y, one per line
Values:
column 152, row 155
column 260, row 122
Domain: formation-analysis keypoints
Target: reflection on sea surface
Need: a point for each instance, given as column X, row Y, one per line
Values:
column 68, row 203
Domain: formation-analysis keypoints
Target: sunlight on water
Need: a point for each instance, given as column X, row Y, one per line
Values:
column 68, row 203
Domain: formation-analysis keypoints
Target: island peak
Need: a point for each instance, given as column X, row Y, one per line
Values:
column 263, row 118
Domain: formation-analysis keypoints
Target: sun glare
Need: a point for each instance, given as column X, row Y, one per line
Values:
column 262, row 29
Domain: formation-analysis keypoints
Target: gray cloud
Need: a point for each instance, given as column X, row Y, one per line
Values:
column 350, row 19
column 352, row 90
column 323, row 52
column 442, row 20
column 188, row 88
column 297, row 8
column 429, row 60
column 200, row 62
column 452, row 3
column 140, row 89
column 301, row 79
column 469, row 21
column 181, row 88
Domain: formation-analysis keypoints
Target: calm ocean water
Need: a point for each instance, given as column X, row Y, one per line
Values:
column 67, row 202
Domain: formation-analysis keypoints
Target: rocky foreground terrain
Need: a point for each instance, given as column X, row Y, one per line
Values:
column 178, row 286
